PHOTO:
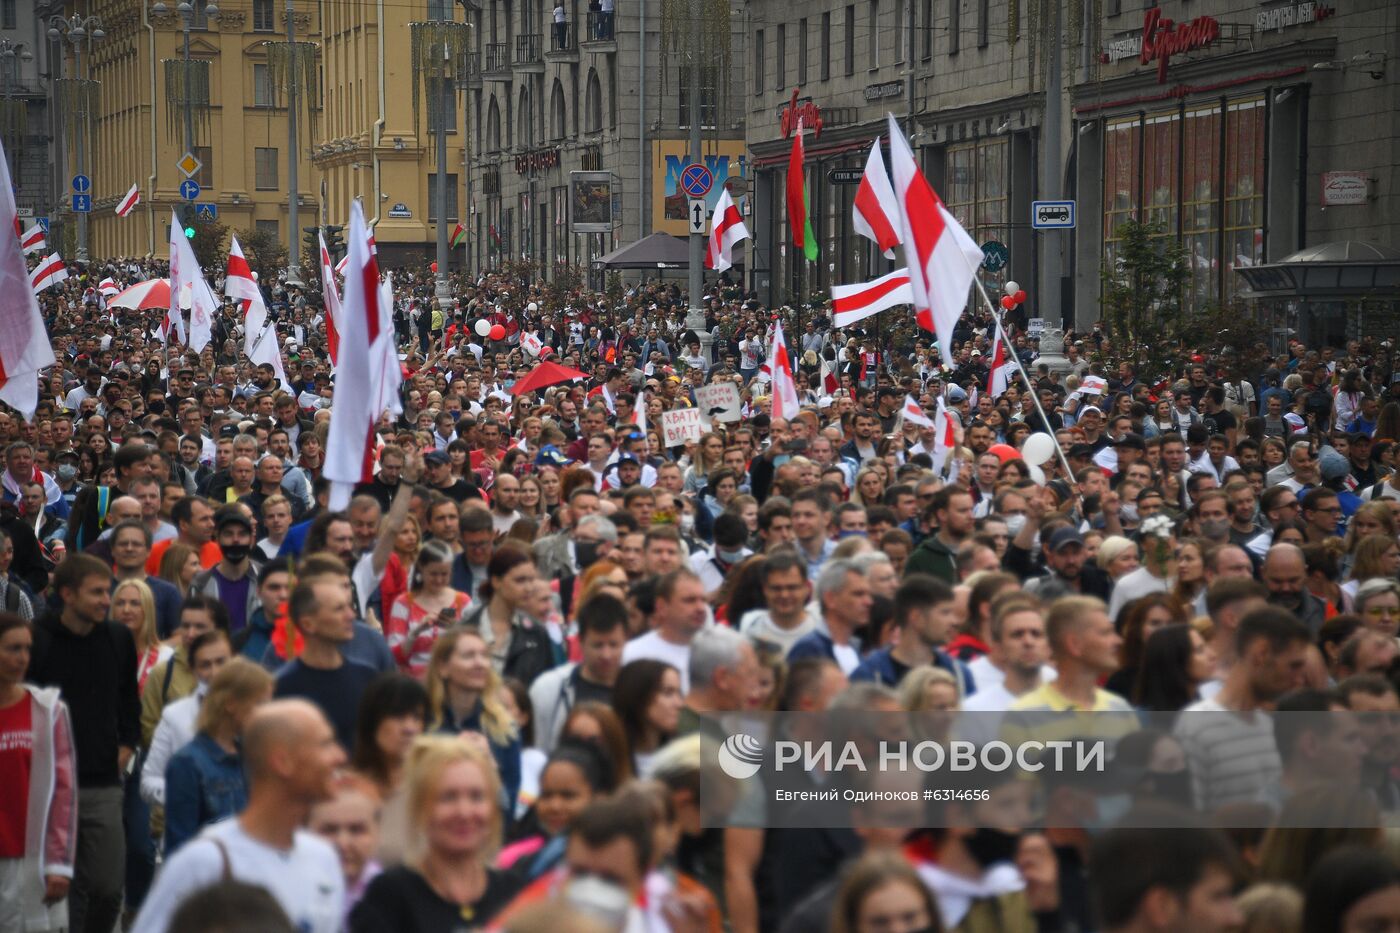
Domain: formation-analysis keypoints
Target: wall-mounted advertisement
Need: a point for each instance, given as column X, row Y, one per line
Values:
column 727, row 163
column 591, row 202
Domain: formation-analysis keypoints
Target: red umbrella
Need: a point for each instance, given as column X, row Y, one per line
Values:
column 144, row 296
column 543, row 376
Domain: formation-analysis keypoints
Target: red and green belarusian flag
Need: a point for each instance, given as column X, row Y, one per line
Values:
column 459, row 236
column 802, row 236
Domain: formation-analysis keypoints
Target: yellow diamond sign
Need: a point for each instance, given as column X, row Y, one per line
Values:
column 189, row 165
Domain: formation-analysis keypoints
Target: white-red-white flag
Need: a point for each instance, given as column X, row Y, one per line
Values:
column 531, row 343
column 945, row 437
column 24, row 344
column 785, row 404
column 875, row 213
column 726, row 229
column 1002, row 368
column 851, row 303
column 33, row 240
column 914, row 413
column 107, row 287
column 941, row 257
column 384, row 354
column 187, row 279
column 350, row 443
column 829, row 381
column 48, row 273
column 331, row 299
column 259, row 334
column 129, row 201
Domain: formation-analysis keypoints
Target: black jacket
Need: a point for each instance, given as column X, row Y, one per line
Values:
column 96, row 673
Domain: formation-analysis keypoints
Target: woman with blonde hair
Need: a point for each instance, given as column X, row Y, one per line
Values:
column 465, row 695
column 708, row 456
column 1375, row 556
column 882, row 891
column 403, row 560
column 417, row 618
column 204, row 780
column 446, row 882
column 134, row 606
column 869, row 488
column 178, row 566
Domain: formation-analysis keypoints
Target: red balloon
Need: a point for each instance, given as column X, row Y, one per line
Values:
column 1020, row 296
column 1008, row 302
column 435, row 267
column 498, row 332
column 1004, row 452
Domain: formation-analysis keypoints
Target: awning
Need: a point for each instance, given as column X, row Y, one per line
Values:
column 658, row 251
column 1339, row 269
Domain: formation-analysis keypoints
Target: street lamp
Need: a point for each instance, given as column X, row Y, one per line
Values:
column 78, row 30
column 186, row 12
column 11, row 53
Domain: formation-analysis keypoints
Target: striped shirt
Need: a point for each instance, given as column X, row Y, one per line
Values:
column 1232, row 755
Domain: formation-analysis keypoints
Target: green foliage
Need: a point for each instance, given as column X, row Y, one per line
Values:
column 612, row 288
column 210, row 245
column 564, row 282
column 265, row 252
column 1143, row 287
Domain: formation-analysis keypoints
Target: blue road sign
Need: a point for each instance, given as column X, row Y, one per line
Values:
column 189, row 189
column 82, row 204
column 1052, row 215
column 206, row 211
column 696, row 180
column 43, row 222
column 81, row 184
column 995, row 256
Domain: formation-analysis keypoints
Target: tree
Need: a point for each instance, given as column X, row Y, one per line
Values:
column 210, row 245
column 266, row 254
column 1143, row 287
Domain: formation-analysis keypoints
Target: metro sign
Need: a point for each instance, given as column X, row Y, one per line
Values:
column 1162, row 38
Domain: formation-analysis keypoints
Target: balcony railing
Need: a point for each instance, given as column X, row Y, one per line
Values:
column 527, row 48
column 563, row 37
column 469, row 70
column 600, row 26
column 497, row 58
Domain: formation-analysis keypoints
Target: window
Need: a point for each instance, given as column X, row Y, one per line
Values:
column 451, row 197
column 9, row 17
column 205, row 175
column 265, row 169
column 432, row 86
column 984, row 16
column 826, row 46
column 612, row 92
column 493, row 126
column 850, row 40
column 709, row 75
column 267, row 227
column 262, row 87
column 976, row 187
column 263, row 18
column 201, row 14
column 872, row 52
column 558, row 125
column 802, row 52
column 780, row 60
column 1115, row 7
column 759, row 82
column 901, row 37
column 927, row 32
column 954, row 26
column 593, row 104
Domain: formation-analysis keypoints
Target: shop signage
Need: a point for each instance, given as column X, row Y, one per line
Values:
column 806, row 110
column 400, row 211
column 882, row 91
column 845, row 176
column 1295, row 14
column 1120, row 49
column 1162, row 38
column 1340, row 189
column 537, row 161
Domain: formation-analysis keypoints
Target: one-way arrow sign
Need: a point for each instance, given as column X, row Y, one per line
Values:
column 696, row 215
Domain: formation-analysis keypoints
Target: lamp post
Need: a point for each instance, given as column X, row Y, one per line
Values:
column 79, row 30
column 11, row 54
column 186, row 11
column 293, row 198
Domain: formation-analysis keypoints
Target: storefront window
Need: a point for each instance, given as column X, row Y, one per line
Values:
column 975, row 186
column 1166, row 168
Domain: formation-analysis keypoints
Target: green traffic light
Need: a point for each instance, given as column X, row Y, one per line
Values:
column 189, row 233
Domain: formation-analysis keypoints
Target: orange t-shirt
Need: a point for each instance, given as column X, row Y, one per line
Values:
column 209, row 555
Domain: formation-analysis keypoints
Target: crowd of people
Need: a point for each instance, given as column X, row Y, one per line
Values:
column 477, row 697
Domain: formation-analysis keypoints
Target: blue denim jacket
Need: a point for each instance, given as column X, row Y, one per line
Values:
column 203, row 784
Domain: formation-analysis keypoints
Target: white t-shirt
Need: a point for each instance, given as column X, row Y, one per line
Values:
column 847, row 657
column 653, row 646
column 305, row 880
column 986, row 675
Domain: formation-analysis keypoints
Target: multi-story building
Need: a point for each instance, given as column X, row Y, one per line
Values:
column 138, row 135
column 24, row 67
column 1250, row 129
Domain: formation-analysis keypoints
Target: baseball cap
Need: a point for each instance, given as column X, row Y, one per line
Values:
column 231, row 515
column 1084, row 451
column 956, row 394
column 228, row 430
column 436, row 456
column 1064, row 537
column 549, row 455
column 1088, row 408
column 1131, row 440
column 627, row 458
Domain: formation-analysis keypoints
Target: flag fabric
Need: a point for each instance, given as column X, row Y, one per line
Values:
column 828, row 375
column 942, row 259
column 33, row 240
column 531, row 343
column 802, row 236
column 186, row 279
column 785, row 403
column 385, row 371
column 24, row 344
column 876, row 214
column 47, row 273
column 913, row 413
column 1002, row 368
column 726, row 229
column 944, row 437
column 107, row 288
column 128, row 202
column 174, row 322
column 459, row 236
column 851, row 303
column 330, row 298
column 259, row 334
column 345, row 260
column 350, row 443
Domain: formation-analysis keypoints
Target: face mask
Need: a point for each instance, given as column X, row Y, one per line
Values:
column 1215, row 529
column 990, row 846
column 1014, row 524
column 729, row 557
column 687, row 524
column 67, row 472
column 1112, row 809
column 235, row 552
column 780, row 459
column 1128, row 512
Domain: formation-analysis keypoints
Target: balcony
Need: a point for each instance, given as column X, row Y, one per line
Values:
column 563, row 42
column 497, row 62
column 528, row 47
column 468, row 70
column 598, row 35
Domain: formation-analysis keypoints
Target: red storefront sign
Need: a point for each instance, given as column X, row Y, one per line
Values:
column 1162, row 38
column 809, row 112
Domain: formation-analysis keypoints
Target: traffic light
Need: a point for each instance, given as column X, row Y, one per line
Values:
column 187, row 216
column 335, row 241
column 311, row 237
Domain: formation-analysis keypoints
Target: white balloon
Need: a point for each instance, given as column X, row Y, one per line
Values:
column 1011, row 288
column 1038, row 448
column 482, row 327
column 1037, row 474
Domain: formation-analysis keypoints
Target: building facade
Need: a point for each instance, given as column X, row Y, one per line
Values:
column 1248, row 129
column 24, row 68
